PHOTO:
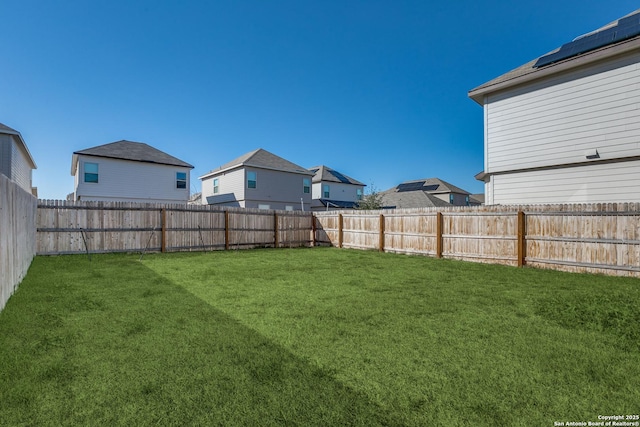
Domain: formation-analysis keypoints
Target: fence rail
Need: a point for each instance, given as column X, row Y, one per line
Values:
column 595, row 238
column 130, row 227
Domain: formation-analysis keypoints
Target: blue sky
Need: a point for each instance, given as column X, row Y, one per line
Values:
column 374, row 89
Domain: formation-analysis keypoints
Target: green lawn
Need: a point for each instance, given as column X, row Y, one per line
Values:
column 317, row 337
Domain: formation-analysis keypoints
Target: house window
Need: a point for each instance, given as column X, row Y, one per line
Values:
column 359, row 194
column 216, row 186
column 451, row 198
column 263, row 206
column 306, row 185
column 466, row 200
column 325, row 191
column 288, row 208
column 181, row 180
column 252, row 180
column 90, row 172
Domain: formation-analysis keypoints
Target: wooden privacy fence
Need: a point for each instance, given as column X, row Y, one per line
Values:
column 96, row 227
column 17, row 236
column 596, row 238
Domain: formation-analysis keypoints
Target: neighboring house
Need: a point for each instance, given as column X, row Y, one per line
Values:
column 425, row 193
column 333, row 190
column 131, row 172
column 476, row 199
column 16, row 162
column 258, row 179
column 564, row 128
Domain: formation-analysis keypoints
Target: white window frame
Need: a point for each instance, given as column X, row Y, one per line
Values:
column 254, row 180
column 180, row 180
column 96, row 173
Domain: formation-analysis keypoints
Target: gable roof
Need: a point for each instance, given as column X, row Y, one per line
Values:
column 261, row 159
column 324, row 173
column 419, row 193
column 129, row 150
column 529, row 72
column 23, row 145
column 392, row 199
column 429, row 185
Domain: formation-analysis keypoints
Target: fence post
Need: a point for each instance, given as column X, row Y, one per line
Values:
column 226, row 230
column 313, row 229
column 340, row 230
column 275, row 230
column 438, row 234
column 163, row 221
column 522, row 239
column 381, row 238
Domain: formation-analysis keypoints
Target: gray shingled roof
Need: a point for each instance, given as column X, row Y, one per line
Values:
column 527, row 71
column 443, row 186
column 261, row 159
column 134, row 151
column 420, row 198
column 324, row 173
column 410, row 199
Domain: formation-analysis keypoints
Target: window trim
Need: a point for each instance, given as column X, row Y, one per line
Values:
column 326, row 191
column 254, row 180
column 306, row 185
column 216, row 185
column 96, row 173
column 180, row 180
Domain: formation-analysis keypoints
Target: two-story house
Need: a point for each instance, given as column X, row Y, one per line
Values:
column 334, row 190
column 565, row 127
column 131, row 172
column 258, row 179
column 16, row 162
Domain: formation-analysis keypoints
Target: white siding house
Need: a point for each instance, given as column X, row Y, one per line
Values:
column 131, row 172
column 16, row 162
column 258, row 179
column 332, row 190
column 566, row 131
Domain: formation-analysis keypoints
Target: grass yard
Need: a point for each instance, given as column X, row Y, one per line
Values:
column 315, row 337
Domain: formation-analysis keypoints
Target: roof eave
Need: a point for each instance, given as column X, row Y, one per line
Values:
column 77, row 153
column 605, row 52
column 12, row 132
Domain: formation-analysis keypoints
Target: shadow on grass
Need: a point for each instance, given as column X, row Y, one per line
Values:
column 99, row 344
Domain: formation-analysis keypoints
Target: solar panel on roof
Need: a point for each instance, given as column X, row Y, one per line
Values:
column 340, row 177
column 430, row 187
column 410, row 186
column 625, row 28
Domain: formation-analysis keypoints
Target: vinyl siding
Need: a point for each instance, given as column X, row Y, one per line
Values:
column 274, row 188
column 5, row 155
column 337, row 191
column 14, row 163
column 277, row 189
column 596, row 183
column 20, row 168
column 231, row 188
column 556, row 121
column 122, row 180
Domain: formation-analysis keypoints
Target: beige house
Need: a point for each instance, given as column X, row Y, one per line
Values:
column 258, row 179
column 564, row 127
